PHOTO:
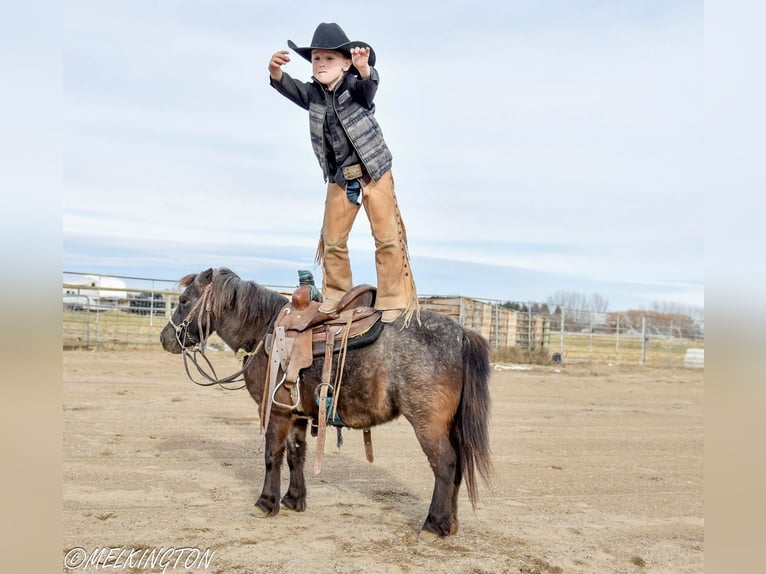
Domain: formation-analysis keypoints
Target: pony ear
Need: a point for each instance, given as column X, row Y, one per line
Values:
column 205, row 277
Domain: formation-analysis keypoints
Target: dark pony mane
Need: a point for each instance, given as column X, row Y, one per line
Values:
column 246, row 299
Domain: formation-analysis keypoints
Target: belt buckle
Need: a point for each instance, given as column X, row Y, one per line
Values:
column 352, row 172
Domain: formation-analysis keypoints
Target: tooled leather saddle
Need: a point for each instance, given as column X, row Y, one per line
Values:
column 301, row 332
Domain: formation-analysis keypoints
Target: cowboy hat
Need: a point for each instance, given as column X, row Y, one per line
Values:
column 330, row 36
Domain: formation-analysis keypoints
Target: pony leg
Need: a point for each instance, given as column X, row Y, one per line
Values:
column 442, row 514
column 295, row 499
column 457, row 480
column 273, row 453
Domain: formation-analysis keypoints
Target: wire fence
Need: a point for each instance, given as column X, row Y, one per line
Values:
column 102, row 312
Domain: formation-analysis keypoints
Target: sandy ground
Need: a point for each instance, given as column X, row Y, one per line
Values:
column 597, row 470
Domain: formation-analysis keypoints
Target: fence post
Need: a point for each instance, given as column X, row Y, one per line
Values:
column 561, row 329
column 643, row 340
column 669, row 346
column 617, row 341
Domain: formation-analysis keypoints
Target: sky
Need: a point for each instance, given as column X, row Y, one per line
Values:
column 539, row 147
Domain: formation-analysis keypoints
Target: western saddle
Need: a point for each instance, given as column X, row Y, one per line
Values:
column 301, row 332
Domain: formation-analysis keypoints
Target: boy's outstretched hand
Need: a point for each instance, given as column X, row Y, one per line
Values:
column 278, row 59
column 360, row 57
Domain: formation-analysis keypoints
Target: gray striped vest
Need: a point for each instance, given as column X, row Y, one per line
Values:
column 362, row 130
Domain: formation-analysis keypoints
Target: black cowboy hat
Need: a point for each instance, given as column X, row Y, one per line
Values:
column 330, row 36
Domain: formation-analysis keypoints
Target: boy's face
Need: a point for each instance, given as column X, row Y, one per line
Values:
column 328, row 66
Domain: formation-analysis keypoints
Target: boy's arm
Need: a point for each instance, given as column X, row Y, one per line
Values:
column 363, row 90
column 294, row 90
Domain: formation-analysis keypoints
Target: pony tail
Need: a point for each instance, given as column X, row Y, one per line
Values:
column 472, row 420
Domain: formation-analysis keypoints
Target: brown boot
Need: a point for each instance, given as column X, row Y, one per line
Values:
column 391, row 315
column 329, row 305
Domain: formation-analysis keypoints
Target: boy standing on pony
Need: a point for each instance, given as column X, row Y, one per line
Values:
column 356, row 164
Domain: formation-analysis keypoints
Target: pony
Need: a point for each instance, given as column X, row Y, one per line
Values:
column 433, row 372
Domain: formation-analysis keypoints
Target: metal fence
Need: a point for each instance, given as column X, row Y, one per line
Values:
column 650, row 339
column 101, row 312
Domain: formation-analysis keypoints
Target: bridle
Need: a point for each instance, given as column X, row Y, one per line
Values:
column 191, row 346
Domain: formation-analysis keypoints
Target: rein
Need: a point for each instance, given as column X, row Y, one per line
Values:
column 213, row 377
column 190, row 353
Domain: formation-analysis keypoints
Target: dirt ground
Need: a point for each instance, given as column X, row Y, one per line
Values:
column 597, row 470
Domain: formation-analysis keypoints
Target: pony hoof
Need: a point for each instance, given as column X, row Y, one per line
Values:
column 259, row 512
column 427, row 536
column 294, row 505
